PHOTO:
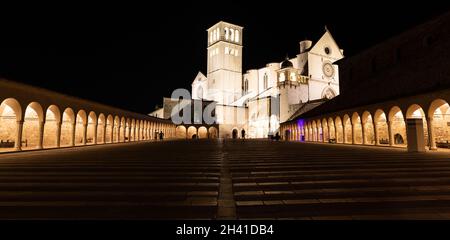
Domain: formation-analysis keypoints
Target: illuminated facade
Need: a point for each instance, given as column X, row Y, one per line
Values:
column 396, row 93
column 257, row 100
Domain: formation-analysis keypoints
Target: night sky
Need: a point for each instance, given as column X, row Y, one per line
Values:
column 132, row 56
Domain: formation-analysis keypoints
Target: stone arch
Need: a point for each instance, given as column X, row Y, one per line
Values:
column 416, row 111
column 319, row 130
column 52, row 127
column 116, row 129
column 381, row 127
column 325, row 132
column 109, row 129
column 192, row 132
column 101, row 128
column 339, row 130
column 357, row 129
column 368, row 128
column 67, row 127
column 33, row 126
column 10, row 116
column 314, row 131
column 397, row 126
column 348, row 129
column 91, row 135
column 332, row 129
column 80, row 128
column 202, row 132
column 180, row 132
column 328, row 93
column 133, row 130
column 213, row 133
column 439, row 118
column 122, row 129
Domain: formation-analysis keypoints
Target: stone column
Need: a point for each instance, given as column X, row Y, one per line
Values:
column 118, row 133
column 41, row 135
column 94, row 139
column 323, row 134
column 104, row 133
column 112, row 132
column 363, row 130
column 375, row 132
column 328, row 132
column 390, row 134
column 72, row 141
column 124, row 133
column 19, row 130
column 353, row 133
column 85, row 134
column 430, row 126
column 58, row 134
column 129, row 133
column 335, row 133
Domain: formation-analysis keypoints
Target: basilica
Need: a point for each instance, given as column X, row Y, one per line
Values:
column 254, row 102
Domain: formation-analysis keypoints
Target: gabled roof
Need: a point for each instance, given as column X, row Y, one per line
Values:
column 199, row 75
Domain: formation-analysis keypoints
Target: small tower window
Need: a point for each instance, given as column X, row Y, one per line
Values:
column 292, row 76
column 236, row 36
column 231, row 33
column 282, row 77
column 266, row 79
column 245, row 86
column 226, row 33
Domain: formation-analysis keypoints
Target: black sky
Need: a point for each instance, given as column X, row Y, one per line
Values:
column 132, row 56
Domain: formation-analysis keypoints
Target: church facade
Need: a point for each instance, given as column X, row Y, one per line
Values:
column 256, row 101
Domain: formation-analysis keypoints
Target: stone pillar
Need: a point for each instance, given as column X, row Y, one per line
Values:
column 58, row 134
column 129, row 134
column 94, row 139
column 363, row 134
column 41, row 135
column 414, row 134
column 104, row 133
column 118, row 133
column 19, row 130
column 72, row 141
column 323, row 135
column 353, row 134
column 375, row 132
column 124, row 133
column 112, row 132
column 430, row 126
column 139, row 133
column 390, row 133
column 329, row 133
column 335, row 133
column 85, row 134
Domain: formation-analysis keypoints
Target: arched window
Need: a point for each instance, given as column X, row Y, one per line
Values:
column 245, row 86
column 236, row 36
column 266, row 81
column 231, row 34
column 226, row 33
column 217, row 34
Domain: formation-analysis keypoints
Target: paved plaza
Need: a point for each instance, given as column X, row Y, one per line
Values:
column 231, row 179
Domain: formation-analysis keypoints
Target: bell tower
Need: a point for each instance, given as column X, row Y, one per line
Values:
column 224, row 70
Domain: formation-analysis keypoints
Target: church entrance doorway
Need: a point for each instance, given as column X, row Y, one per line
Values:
column 235, row 134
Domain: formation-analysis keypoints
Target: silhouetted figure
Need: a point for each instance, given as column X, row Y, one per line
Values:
column 277, row 137
column 161, row 136
column 243, row 134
